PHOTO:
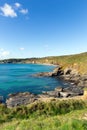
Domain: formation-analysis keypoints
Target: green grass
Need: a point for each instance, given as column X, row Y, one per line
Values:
column 71, row 121
column 55, row 115
column 78, row 61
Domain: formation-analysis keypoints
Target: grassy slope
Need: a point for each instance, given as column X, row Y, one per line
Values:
column 75, row 120
column 60, row 115
column 78, row 61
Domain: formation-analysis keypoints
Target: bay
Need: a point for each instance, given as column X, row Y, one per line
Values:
column 17, row 78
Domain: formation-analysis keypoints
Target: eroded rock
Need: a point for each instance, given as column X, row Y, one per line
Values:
column 20, row 99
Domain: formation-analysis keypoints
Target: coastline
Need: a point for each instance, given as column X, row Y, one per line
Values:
column 74, row 90
column 48, row 64
column 70, row 73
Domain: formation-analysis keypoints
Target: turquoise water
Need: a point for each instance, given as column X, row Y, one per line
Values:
column 17, row 78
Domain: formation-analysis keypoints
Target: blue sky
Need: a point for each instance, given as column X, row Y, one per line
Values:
column 38, row 28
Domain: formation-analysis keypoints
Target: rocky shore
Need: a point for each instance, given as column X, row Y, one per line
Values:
column 68, row 74
column 76, row 81
column 18, row 99
column 71, row 76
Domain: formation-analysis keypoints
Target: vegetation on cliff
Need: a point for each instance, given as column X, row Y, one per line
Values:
column 77, row 61
column 62, row 115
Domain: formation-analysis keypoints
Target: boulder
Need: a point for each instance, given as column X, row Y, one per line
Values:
column 64, row 94
column 74, row 90
column 53, row 94
column 18, row 99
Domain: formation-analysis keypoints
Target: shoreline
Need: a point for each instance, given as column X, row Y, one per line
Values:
column 69, row 76
column 42, row 64
column 48, row 64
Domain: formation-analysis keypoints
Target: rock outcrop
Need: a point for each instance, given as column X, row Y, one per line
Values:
column 56, row 72
column 25, row 98
column 18, row 99
column 43, row 74
column 76, row 82
column 68, row 74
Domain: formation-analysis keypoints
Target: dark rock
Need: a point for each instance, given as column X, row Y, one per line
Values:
column 1, row 99
column 74, row 90
column 20, row 99
column 58, row 71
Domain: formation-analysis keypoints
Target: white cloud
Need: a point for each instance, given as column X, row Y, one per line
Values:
column 1, row 49
column 17, row 5
column 24, row 11
column 22, row 48
column 12, row 11
column 4, row 53
column 8, row 11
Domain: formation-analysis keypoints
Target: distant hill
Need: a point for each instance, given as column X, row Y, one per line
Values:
column 78, row 61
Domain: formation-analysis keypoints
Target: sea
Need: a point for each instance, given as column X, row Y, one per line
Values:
column 16, row 78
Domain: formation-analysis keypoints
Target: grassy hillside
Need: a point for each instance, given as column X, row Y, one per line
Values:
column 78, row 61
column 71, row 121
column 54, row 115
